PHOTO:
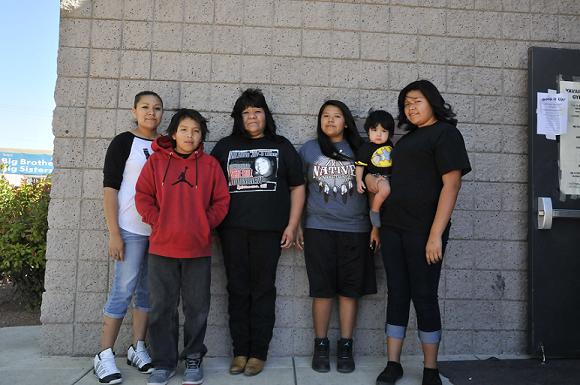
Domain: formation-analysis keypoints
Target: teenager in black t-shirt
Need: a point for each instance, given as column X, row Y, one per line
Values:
column 266, row 184
column 428, row 163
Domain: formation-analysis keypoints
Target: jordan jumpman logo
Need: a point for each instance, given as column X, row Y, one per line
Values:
column 181, row 178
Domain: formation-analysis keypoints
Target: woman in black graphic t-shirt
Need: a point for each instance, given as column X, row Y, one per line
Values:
column 428, row 163
column 266, row 184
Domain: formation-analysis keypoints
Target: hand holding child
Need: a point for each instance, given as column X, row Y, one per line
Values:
column 360, row 186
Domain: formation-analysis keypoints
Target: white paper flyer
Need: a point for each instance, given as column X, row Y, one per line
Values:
column 552, row 112
column 570, row 141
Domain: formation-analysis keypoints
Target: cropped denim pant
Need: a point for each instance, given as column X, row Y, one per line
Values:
column 130, row 280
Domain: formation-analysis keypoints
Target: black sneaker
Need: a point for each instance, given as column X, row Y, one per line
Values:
column 390, row 374
column 344, row 360
column 431, row 377
column 320, row 357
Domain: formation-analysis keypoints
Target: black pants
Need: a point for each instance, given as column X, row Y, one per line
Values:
column 170, row 279
column 409, row 277
column 251, row 259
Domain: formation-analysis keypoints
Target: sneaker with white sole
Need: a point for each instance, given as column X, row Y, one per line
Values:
column 139, row 357
column 160, row 376
column 193, row 374
column 105, row 368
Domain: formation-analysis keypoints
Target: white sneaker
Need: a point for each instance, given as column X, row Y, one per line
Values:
column 105, row 368
column 139, row 357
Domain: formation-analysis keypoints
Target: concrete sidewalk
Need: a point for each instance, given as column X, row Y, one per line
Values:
column 22, row 364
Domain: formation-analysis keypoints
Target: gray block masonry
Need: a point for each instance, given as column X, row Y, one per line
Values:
column 200, row 54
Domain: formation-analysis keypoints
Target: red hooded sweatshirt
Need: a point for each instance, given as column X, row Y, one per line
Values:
column 182, row 200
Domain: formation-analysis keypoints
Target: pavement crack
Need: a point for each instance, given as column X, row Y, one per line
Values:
column 82, row 376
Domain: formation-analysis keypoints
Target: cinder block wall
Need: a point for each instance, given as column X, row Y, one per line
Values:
column 201, row 53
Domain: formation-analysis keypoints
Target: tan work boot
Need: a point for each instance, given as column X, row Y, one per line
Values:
column 254, row 366
column 238, row 364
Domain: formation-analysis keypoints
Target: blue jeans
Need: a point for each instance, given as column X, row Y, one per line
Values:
column 130, row 277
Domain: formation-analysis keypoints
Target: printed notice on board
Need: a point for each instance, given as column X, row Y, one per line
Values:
column 570, row 142
column 552, row 112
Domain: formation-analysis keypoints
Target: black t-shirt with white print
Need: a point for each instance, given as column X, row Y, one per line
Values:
column 259, row 173
column 420, row 159
column 125, row 158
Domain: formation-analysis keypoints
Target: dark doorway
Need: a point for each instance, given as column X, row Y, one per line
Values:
column 554, row 253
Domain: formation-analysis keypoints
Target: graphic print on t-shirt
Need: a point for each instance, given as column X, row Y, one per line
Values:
column 252, row 170
column 334, row 177
column 382, row 157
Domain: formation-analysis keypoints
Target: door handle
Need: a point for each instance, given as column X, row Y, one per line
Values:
column 546, row 213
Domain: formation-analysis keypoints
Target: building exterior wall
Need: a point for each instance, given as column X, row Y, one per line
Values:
column 200, row 54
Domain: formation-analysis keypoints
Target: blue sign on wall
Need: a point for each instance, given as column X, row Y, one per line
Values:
column 26, row 164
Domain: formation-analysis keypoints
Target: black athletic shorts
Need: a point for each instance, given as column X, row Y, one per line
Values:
column 339, row 263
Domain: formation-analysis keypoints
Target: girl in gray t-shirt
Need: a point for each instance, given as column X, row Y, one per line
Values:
column 336, row 234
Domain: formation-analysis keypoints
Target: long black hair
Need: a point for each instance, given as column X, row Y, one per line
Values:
column 441, row 110
column 350, row 132
column 252, row 97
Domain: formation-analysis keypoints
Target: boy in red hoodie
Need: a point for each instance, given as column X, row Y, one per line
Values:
column 182, row 193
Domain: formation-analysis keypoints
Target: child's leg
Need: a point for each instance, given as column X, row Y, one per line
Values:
column 374, row 215
column 371, row 183
column 164, row 284
column 195, row 283
column 383, row 190
column 379, row 189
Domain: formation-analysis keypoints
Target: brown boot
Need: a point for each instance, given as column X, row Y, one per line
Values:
column 254, row 366
column 238, row 364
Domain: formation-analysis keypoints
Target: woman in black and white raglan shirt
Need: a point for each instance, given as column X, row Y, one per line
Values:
column 266, row 185
column 428, row 163
column 128, row 238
